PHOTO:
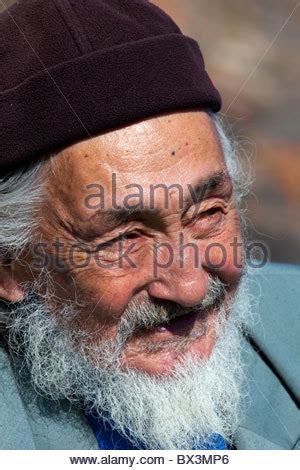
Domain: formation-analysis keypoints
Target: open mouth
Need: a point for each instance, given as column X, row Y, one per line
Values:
column 179, row 324
column 183, row 322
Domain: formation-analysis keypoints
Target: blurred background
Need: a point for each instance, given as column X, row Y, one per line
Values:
column 251, row 49
column 252, row 53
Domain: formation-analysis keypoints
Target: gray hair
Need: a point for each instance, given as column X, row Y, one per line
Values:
column 20, row 194
column 241, row 179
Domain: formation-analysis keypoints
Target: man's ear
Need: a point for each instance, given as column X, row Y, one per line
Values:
column 9, row 288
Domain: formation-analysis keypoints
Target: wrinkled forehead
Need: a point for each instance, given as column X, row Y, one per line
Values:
column 177, row 148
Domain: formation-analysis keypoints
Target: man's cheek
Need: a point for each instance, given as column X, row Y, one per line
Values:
column 225, row 257
column 107, row 292
column 104, row 292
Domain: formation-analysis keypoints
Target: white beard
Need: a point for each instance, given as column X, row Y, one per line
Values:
column 179, row 411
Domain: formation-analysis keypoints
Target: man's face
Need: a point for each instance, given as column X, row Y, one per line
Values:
column 164, row 253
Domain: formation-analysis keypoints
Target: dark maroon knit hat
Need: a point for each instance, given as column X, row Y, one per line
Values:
column 71, row 69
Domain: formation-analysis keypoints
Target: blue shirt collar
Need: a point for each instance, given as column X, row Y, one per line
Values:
column 109, row 439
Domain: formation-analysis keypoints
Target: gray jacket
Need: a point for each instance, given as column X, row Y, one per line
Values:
column 272, row 356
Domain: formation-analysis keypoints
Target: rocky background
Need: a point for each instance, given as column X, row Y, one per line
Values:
column 251, row 49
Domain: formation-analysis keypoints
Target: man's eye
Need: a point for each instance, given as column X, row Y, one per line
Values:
column 129, row 235
column 123, row 237
column 213, row 211
column 209, row 218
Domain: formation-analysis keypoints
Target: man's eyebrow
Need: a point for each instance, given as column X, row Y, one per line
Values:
column 216, row 182
column 123, row 215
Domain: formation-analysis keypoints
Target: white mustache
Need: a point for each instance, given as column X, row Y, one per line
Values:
column 149, row 314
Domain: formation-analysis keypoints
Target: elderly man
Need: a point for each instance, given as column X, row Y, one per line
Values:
column 129, row 312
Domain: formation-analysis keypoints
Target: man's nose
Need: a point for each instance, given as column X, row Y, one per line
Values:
column 182, row 280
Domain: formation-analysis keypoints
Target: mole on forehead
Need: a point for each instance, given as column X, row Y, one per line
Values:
column 97, row 159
